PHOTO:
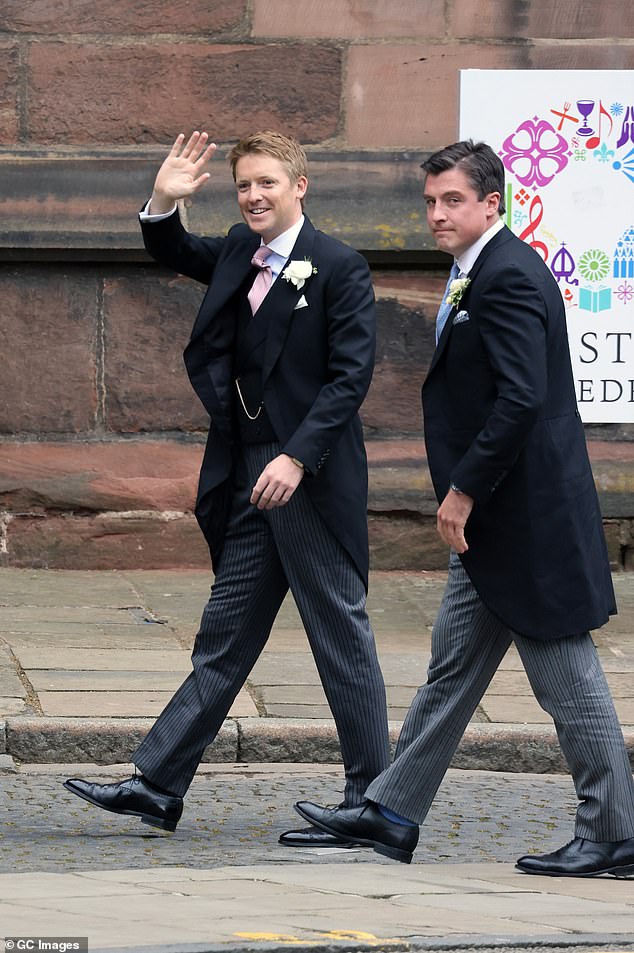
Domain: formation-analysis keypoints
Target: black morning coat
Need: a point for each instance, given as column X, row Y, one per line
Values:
column 501, row 423
column 317, row 369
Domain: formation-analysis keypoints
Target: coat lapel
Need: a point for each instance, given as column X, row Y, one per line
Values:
column 498, row 239
column 232, row 272
column 280, row 302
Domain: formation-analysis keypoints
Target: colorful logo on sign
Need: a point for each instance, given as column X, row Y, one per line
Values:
column 541, row 149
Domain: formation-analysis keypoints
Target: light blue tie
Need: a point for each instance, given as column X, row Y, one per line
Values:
column 445, row 306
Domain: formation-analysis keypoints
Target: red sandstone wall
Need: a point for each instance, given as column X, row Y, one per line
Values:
column 101, row 435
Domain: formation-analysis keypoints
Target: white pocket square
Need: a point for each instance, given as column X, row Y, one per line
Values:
column 461, row 317
column 302, row 303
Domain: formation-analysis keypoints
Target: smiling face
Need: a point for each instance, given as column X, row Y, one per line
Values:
column 270, row 202
column 456, row 216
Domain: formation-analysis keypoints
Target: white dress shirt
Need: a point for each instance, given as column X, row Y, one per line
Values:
column 467, row 260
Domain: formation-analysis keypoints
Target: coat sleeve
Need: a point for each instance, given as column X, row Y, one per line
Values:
column 351, row 323
column 512, row 318
column 173, row 246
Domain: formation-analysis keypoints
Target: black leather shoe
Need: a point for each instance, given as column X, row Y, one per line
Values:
column 313, row 837
column 583, row 858
column 365, row 825
column 132, row 796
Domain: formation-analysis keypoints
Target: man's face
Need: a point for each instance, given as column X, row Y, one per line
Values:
column 456, row 216
column 270, row 203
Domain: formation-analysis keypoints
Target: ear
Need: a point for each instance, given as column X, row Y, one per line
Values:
column 493, row 202
column 301, row 185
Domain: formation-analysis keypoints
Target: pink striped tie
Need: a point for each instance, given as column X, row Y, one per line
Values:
column 263, row 279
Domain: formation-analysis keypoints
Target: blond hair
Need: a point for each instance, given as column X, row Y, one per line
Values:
column 284, row 148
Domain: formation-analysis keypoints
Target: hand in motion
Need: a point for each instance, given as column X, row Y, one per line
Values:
column 451, row 519
column 182, row 171
column 277, row 483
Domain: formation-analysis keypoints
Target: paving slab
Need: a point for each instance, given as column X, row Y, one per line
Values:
column 79, row 648
column 306, row 907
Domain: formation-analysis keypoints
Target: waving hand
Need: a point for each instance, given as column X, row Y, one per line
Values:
column 182, row 171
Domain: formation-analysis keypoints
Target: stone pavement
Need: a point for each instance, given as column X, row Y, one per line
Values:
column 88, row 659
column 222, row 882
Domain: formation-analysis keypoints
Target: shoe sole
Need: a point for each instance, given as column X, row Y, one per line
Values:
column 621, row 873
column 342, row 843
column 395, row 853
column 150, row 819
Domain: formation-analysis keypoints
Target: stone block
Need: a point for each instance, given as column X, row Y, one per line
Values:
column 532, row 748
column 72, row 201
column 121, row 16
column 48, row 341
column 612, row 530
column 9, row 86
column 147, row 324
column 136, row 93
column 393, row 402
column 406, row 543
column 121, row 476
column 10, row 684
column 403, row 490
column 348, row 19
column 406, row 308
column 512, row 19
column 407, row 301
column 94, row 740
column 120, row 700
column 369, row 199
column 13, row 706
column 281, row 739
column 109, row 541
column 599, row 55
column 381, row 79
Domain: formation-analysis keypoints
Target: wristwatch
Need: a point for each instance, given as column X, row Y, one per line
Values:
column 298, row 463
column 452, row 486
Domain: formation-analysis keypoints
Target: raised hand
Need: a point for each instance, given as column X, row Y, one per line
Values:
column 182, row 171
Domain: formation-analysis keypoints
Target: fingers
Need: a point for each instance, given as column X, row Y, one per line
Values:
column 196, row 184
column 271, row 500
column 452, row 533
column 451, row 519
column 197, row 150
column 174, row 151
column 267, row 494
column 276, row 484
column 195, row 142
column 204, row 157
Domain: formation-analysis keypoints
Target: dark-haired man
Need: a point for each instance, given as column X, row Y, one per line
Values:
column 519, row 511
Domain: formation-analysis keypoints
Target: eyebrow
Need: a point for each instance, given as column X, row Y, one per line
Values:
column 445, row 195
column 256, row 178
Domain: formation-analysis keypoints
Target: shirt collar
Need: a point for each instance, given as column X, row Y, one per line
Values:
column 283, row 244
column 467, row 260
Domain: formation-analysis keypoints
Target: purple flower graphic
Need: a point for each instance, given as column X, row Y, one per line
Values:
column 535, row 153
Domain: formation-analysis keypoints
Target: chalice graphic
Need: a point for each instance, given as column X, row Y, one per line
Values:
column 585, row 107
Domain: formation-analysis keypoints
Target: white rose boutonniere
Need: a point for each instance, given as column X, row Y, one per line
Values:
column 298, row 272
column 456, row 290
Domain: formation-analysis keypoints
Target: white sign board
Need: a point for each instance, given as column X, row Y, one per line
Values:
column 566, row 138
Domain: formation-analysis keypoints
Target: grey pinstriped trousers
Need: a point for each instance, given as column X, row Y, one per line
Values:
column 264, row 553
column 468, row 644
